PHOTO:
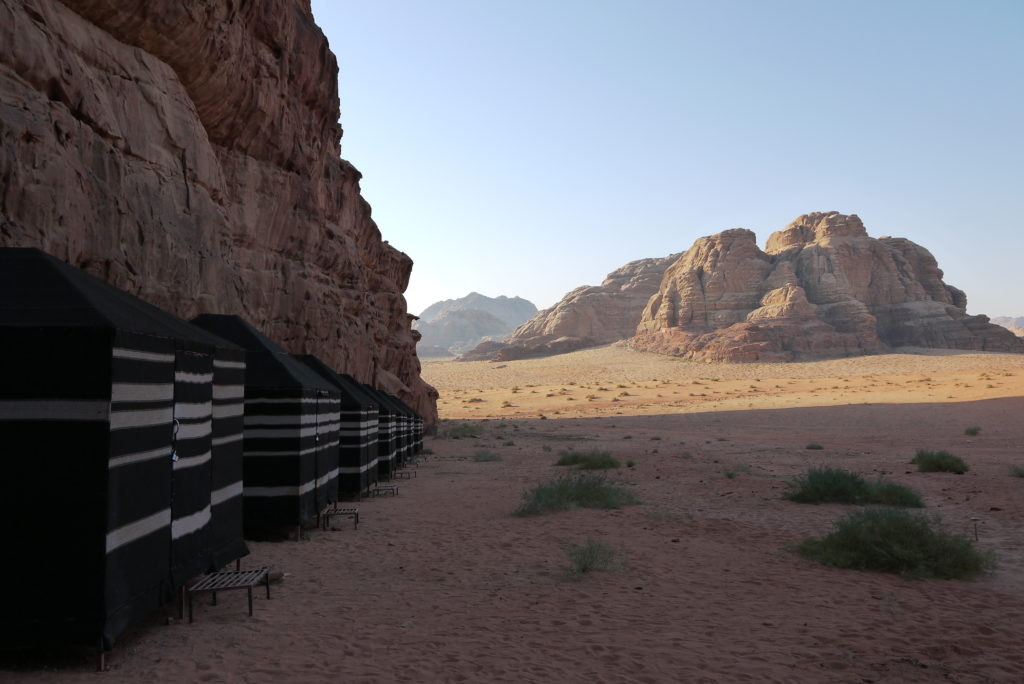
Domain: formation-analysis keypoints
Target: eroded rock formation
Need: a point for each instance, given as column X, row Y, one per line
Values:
column 586, row 317
column 188, row 151
column 822, row 287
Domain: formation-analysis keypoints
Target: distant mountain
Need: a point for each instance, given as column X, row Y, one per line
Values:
column 1011, row 323
column 455, row 325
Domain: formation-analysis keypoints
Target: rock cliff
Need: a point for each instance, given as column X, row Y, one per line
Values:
column 822, row 287
column 1013, row 324
column 585, row 317
column 188, row 151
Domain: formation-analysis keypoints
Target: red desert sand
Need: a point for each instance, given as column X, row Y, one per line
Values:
column 442, row 583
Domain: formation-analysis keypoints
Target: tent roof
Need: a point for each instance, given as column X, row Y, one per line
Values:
column 266, row 364
column 383, row 398
column 39, row 290
column 404, row 406
column 348, row 396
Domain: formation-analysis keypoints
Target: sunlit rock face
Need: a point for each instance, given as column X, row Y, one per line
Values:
column 821, row 288
column 188, row 151
column 585, row 317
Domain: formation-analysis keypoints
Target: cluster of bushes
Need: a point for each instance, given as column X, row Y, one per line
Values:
column 832, row 485
column 594, row 459
column 580, row 490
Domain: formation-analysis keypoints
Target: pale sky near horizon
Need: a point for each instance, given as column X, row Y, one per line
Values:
column 530, row 147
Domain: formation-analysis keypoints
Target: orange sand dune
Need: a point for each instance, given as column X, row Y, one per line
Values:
column 443, row 584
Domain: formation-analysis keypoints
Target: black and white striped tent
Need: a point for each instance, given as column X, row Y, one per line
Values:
column 357, row 452
column 405, row 427
column 414, row 426
column 119, row 483
column 389, row 443
column 292, row 417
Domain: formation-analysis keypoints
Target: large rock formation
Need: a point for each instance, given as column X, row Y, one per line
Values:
column 188, row 151
column 820, row 288
column 586, row 317
column 455, row 325
column 1011, row 323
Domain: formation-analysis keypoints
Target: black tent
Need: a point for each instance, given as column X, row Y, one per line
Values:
column 406, row 418
column 414, row 427
column 357, row 451
column 388, row 438
column 291, row 418
column 114, row 493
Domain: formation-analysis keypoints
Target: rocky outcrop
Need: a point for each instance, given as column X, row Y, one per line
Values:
column 586, row 317
column 453, row 326
column 189, row 153
column 822, row 287
column 1013, row 324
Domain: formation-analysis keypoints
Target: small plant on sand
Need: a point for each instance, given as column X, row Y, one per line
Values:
column 589, row 556
column 464, row 430
column 900, row 542
column 833, row 485
column 939, row 462
column 627, row 437
column 815, row 446
column 427, row 452
column 630, row 463
column 484, row 456
column 593, row 459
column 972, row 431
column 546, row 448
column 581, row 490
column 508, row 443
column 1017, row 471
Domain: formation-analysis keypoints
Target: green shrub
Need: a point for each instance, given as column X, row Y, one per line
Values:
column 833, row 485
column 464, row 430
column 587, row 557
column 814, row 445
column 972, row 431
column 896, row 541
column 939, row 461
column 508, row 443
column 1017, row 471
column 582, row 490
column 547, row 448
column 630, row 463
column 588, row 460
column 484, row 456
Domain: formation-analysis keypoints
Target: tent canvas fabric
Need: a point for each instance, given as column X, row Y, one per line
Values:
column 388, row 433
column 291, row 419
column 357, row 449
column 413, row 428
column 94, row 380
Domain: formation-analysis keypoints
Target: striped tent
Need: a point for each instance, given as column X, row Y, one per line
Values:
column 292, row 417
column 405, row 423
column 415, row 427
column 388, row 438
column 106, row 421
column 357, row 452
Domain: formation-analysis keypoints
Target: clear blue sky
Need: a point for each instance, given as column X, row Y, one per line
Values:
column 528, row 147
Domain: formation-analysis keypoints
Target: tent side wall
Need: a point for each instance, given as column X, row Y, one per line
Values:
column 328, row 425
column 55, row 425
column 226, row 527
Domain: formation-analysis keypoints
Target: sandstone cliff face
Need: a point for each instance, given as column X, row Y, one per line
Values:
column 821, row 288
column 188, row 151
column 585, row 317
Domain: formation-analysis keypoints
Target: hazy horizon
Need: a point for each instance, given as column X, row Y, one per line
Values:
column 527, row 149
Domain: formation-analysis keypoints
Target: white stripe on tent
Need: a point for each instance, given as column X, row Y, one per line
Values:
column 194, row 430
column 282, row 432
column 219, row 496
column 192, row 461
column 228, row 364
column 305, row 419
column 332, row 475
column 283, row 452
column 138, row 529
column 362, row 424
column 190, row 523
column 357, row 469
column 57, row 409
column 221, row 441
column 139, row 457
column 131, row 391
column 228, row 391
column 186, row 411
column 136, row 355
column 285, row 400
column 193, row 378
column 228, row 411
column 280, row 491
column 145, row 418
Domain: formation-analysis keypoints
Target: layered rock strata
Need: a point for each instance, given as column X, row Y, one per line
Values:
column 585, row 317
column 822, row 287
column 188, row 152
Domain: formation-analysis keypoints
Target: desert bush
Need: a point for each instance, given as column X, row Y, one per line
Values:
column 587, row 557
column 972, row 431
column 939, row 461
column 900, row 542
column 582, row 490
column 593, row 459
column 484, row 456
column 814, row 445
column 464, row 430
column 1017, row 471
column 833, row 485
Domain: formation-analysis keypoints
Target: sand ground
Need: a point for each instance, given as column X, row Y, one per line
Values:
column 442, row 584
